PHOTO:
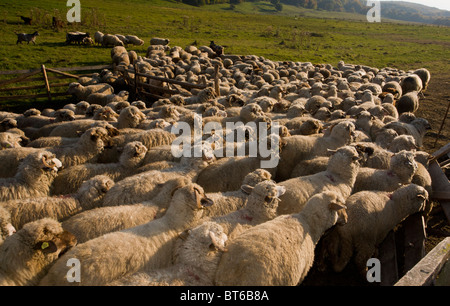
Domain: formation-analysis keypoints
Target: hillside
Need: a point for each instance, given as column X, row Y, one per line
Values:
column 396, row 10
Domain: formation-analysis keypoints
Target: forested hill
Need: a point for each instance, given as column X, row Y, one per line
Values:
column 398, row 10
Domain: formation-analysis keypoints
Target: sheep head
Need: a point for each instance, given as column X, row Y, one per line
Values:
column 264, row 198
column 40, row 243
column 48, row 161
column 92, row 191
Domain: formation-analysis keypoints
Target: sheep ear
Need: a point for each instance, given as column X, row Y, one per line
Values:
column 185, row 234
column 421, row 196
column 331, row 152
column 246, row 189
column 46, row 247
column 336, row 206
column 216, row 243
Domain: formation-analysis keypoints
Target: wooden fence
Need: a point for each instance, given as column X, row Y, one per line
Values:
column 42, row 74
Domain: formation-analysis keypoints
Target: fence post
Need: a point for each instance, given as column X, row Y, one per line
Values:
column 47, row 85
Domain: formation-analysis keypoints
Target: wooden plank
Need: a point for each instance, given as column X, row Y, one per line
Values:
column 440, row 183
column 414, row 240
column 85, row 68
column 166, row 90
column 388, row 260
column 47, row 85
column 425, row 271
column 216, row 80
column 63, row 73
column 24, row 76
column 442, row 151
column 441, row 195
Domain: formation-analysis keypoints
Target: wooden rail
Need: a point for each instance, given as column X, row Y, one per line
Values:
column 30, row 76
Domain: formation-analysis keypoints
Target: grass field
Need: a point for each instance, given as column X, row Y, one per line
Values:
column 295, row 34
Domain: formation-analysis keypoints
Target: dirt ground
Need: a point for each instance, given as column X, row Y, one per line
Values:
column 433, row 107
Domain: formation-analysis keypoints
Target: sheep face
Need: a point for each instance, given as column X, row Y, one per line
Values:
column 97, row 137
column 403, row 164
column 106, row 113
column 8, row 123
column 132, row 115
column 46, row 161
column 413, row 195
column 205, row 241
column 191, row 197
column 31, row 251
column 133, row 153
column 94, row 189
column 264, row 197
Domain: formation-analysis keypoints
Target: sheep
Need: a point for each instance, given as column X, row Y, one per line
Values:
column 195, row 260
column 88, row 196
column 159, row 41
column 6, row 227
column 111, row 40
column 10, row 140
column 98, row 37
column 401, row 171
column 145, row 185
column 416, row 128
column 339, row 177
column 94, row 223
column 371, row 215
column 229, row 201
column 83, row 92
column 71, row 178
column 27, row 255
column 87, row 149
column 280, row 252
column 105, row 99
column 148, row 246
column 33, row 178
column 425, row 76
column 134, row 40
column 409, row 102
column 411, row 83
column 38, row 121
column 261, row 206
column 301, row 147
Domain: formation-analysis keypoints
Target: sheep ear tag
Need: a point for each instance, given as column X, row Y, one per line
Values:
column 46, row 247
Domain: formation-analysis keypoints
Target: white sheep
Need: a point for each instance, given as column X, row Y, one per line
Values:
column 111, row 40
column 261, row 206
column 27, row 255
column 409, row 102
column 71, row 178
column 339, row 177
column 301, row 147
column 148, row 246
column 411, row 83
column 33, row 178
column 100, row 221
column 196, row 257
column 143, row 186
column 417, row 128
column 280, row 252
column 402, row 168
column 98, row 37
column 159, row 41
column 134, row 40
column 83, row 92
column 86, row 149
column 229, row 201
column 371, row 215
column 88, row 196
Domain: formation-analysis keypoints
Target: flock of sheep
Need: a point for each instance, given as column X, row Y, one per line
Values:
column 97, row 181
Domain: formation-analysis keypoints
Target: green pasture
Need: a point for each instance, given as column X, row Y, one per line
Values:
column 295, row 34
